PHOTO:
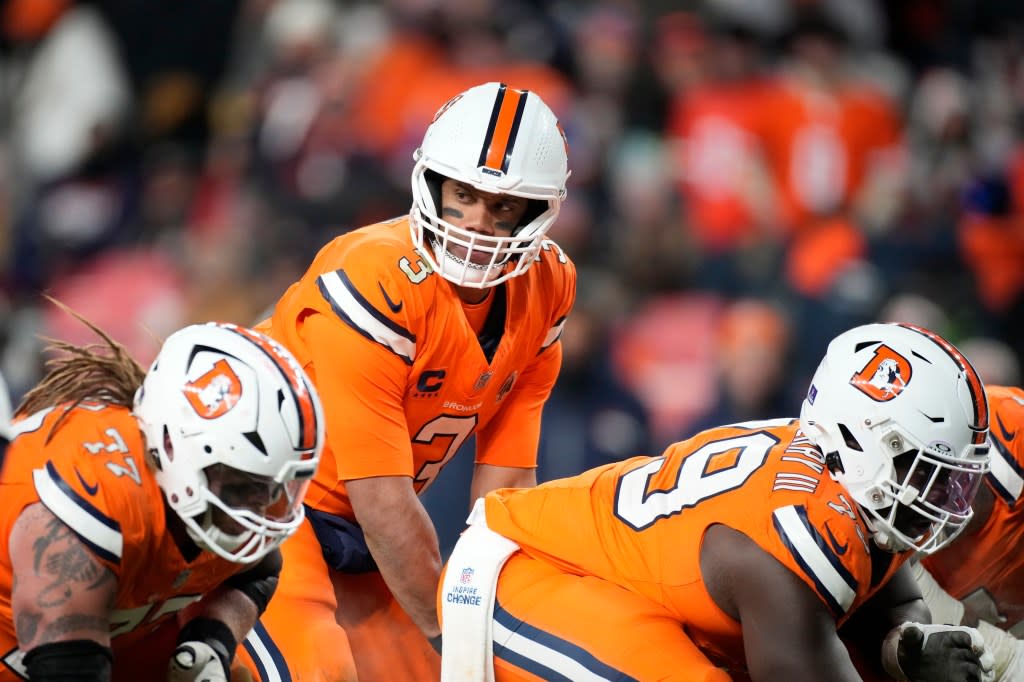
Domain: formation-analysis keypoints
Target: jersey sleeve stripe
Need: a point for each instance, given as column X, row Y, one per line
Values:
column 97, row 530
column 811, row 551
column 360, row 314
column 1005, row 473
column 269, row 661
column 553, row 334
column 545, row 655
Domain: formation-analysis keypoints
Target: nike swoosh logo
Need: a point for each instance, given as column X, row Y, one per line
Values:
column 395, row 307
column 91, row 489
column 839, row 549
column 1007, row 435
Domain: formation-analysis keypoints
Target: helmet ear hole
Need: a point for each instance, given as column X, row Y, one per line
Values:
column 434, row 181
column 533, row 210
column 849, row 438
column 168, row 445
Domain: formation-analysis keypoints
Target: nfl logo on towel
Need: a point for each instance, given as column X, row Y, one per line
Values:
column 467, row 576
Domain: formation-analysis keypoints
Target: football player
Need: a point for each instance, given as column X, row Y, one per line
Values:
column 978, row 580
column 419, row 332
column 143, row 511
column 738, row 553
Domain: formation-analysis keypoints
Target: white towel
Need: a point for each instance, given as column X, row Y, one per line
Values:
column 467, row 602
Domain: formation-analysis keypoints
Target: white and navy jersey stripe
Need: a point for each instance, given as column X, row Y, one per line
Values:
column 553, row 335
column 270, row 664
column 98, row 531
column 545, row 655
column 358, row 313
column 1005, row 474
column 816, row 557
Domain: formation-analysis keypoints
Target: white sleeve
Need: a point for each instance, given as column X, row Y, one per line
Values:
column 944, row 608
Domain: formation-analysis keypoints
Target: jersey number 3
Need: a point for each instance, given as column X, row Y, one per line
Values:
column 712, row 469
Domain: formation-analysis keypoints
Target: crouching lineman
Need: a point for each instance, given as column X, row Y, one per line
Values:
column 737, row 553
column 142, row 512
column 979, row 579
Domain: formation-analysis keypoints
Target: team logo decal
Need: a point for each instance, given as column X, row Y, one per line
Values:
column 885, row 376
column 215, row 392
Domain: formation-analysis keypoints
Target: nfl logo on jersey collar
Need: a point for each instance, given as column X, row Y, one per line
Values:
column 481, row 382
column 181, row 579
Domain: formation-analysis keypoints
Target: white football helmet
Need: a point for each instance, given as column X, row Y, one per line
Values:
column 902, row 419
column 235, row 428
column 498, row 140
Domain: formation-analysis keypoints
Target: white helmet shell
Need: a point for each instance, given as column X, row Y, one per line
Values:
column 902, row 418
column 498, row 140
column 227, row 411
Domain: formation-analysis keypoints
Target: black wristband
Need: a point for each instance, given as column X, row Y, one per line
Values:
column 213, row 632
column 258, row 589
column 259, row 582
column 74, row 660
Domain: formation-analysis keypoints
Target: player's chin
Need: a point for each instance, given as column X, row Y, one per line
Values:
column 463, row 255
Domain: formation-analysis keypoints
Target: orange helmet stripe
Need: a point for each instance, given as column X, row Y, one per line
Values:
column 300, row 390
column 503, row 128
column 973, row 381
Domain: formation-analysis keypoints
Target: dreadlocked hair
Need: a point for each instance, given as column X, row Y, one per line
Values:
column 99, row 372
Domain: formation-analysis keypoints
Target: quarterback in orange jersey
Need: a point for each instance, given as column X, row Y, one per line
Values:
column 738, row 553
column 419, row 333
column 979, row 579
column 142, row 512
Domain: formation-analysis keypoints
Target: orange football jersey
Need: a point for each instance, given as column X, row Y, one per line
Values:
column 92, row 475
column 403, row 376
column 639, row 524
column 717, row 131
column 821, row 148
column 986, row 567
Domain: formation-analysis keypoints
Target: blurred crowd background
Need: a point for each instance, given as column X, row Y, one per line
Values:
column 749, row 178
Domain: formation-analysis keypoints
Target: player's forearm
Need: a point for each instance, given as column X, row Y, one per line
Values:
column 231, row 607
column 403, row 543
column 487, row 478
column 410, row 562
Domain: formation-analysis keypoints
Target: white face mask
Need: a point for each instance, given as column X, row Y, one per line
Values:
column 246, row 516
column 471, row 259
